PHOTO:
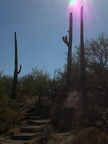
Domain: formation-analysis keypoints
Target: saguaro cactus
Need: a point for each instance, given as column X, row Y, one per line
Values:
column 82, row 62
column 16, row 72
column 69, row 56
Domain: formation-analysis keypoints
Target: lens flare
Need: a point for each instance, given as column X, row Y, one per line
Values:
column 71, row 2
column 72, row 5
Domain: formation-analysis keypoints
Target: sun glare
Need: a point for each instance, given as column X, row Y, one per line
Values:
column 89, row 11
column 72, row 5
column 75, row 5
column 71, row 2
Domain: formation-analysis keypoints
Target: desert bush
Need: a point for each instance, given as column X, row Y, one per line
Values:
column 10, row 118
column 4, row 101
column 41, row 84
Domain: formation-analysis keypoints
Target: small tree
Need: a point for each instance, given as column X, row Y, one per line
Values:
column 26, row 84
column 41, row 83
column 97, row 51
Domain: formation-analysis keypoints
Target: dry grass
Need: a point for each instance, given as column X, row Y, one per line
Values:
column 11, row 119
column 85, row 136
column 61, row 138
column 91, row 136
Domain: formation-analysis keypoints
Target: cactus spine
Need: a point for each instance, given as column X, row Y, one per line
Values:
column 69, row 56
column 16, row 72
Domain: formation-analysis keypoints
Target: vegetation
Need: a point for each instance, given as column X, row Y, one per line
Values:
column 39, row 84
column 84, row 80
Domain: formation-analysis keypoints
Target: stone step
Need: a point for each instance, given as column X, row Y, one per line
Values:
column 17, row 105
column 31, row 128
column 32, row 117
column 38, row 122
column 10, row 141
column 29, row 114
column 23, row 136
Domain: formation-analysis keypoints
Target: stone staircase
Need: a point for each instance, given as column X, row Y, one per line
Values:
column 31, row 130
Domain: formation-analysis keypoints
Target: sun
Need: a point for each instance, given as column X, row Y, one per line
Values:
column 71, row 2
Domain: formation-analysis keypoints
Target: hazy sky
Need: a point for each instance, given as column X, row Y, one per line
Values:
column 40, row 25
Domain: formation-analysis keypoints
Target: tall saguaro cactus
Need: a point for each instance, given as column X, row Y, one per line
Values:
column 82, row 63
column 16, row 72
column 69, row 56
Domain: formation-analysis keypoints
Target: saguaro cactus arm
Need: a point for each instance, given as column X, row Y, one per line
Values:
column 19, row 69
column 65, row 40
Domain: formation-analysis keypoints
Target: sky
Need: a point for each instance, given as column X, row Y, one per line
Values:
column 40, row 26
